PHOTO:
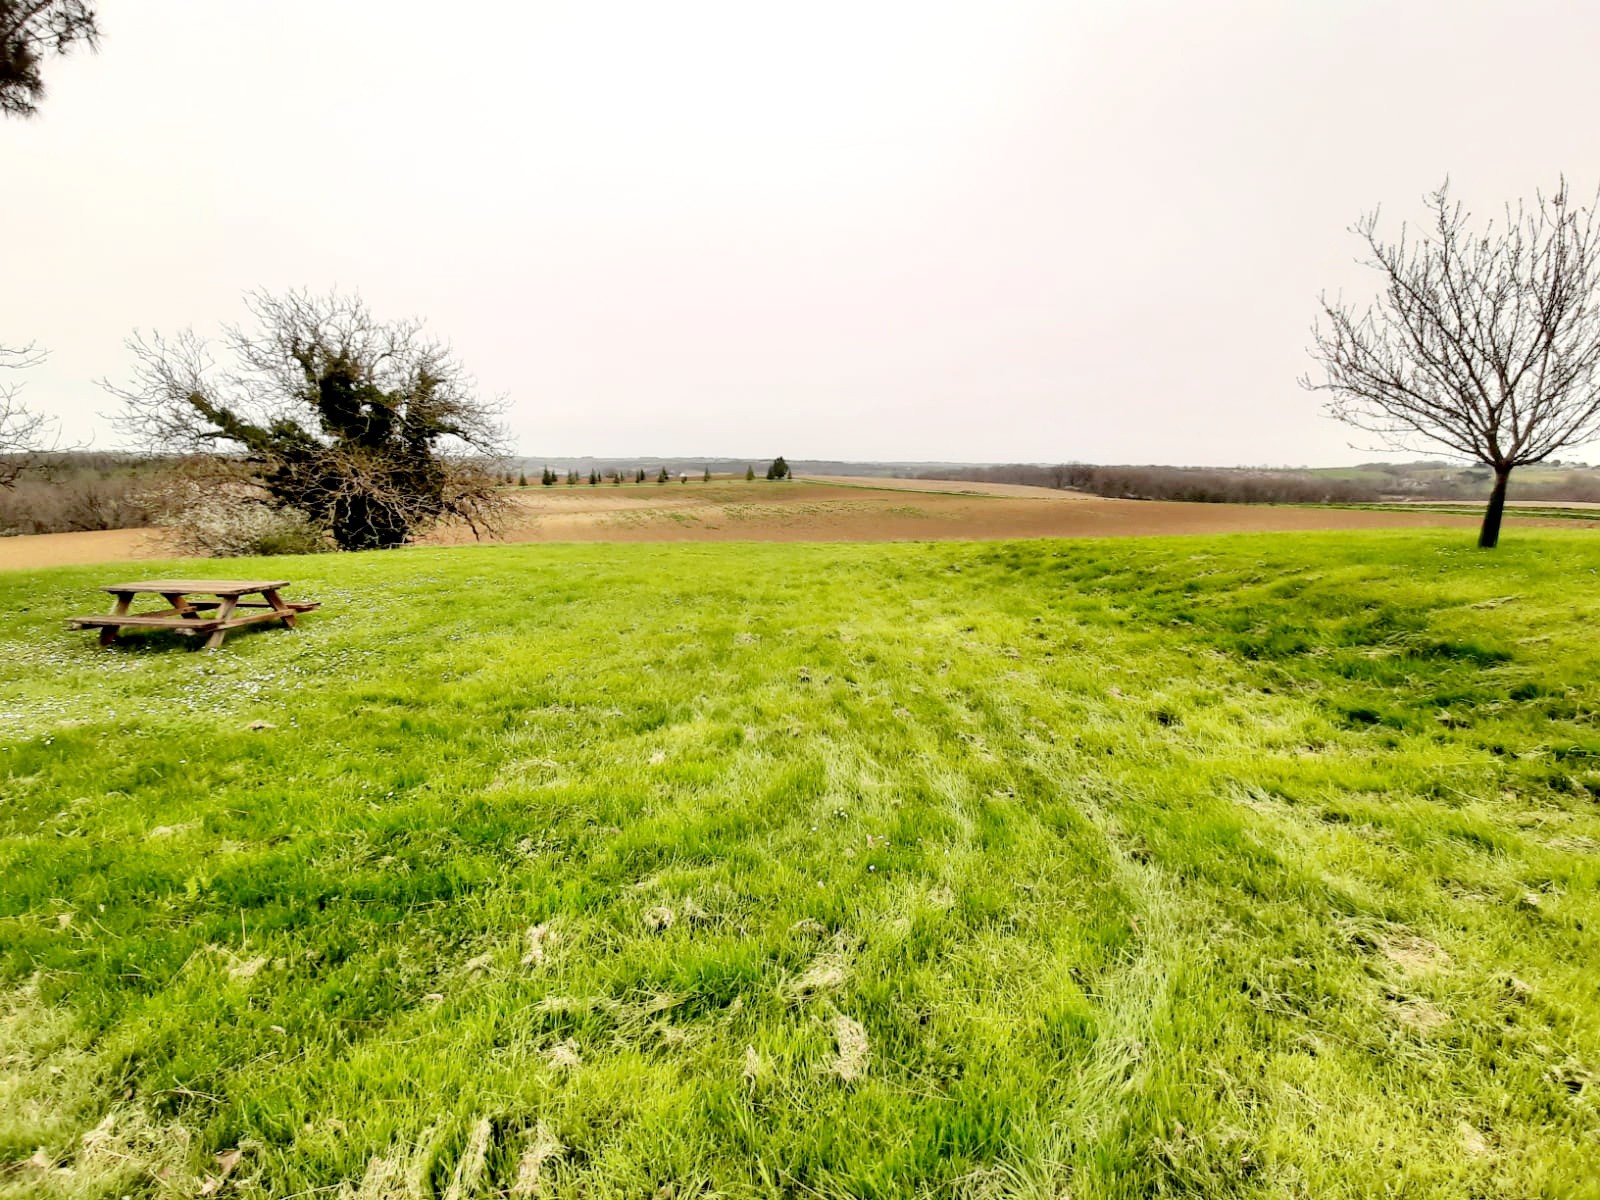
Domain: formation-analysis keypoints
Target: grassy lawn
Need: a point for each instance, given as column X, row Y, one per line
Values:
column 1244, row 866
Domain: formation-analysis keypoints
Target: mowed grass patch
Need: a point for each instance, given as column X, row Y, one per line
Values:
column 1244, row 866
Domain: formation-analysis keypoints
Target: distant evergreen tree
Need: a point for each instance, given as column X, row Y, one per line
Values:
column 594, row 477
column 779, row 469
column 641, row 476
column 749, row 474
column 572, row 476
column 664, row 476
column 548, row 478
column 522, row 479
column 706, row 478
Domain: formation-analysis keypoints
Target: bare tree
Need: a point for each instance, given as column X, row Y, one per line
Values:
column 29, row 31
column 370, row 428
column 1487, row 344
column 24, row 434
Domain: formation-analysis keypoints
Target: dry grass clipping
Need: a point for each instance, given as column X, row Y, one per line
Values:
column 853, row 1050
column 535, row 940
column 564, row 1056
column 402, row 1175
column 473, row 1160
column 540, row 1146
column 1413, row 955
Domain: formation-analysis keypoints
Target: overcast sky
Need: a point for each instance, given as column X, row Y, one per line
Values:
column 994, row 230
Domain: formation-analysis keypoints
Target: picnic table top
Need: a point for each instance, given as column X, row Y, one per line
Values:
column 208, row 587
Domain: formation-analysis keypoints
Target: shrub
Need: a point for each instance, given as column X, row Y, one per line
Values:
column 230, row 520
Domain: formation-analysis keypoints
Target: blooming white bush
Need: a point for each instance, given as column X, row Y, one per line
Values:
column 228, row 520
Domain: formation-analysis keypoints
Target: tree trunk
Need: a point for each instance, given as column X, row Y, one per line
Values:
column 1489, row 535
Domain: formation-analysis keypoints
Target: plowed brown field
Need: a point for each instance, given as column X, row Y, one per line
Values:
column 825, row 510
column 849, row 510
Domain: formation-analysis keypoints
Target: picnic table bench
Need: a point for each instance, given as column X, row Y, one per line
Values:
column 194, row 617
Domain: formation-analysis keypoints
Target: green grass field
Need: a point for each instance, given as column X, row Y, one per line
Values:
column 1247, row 866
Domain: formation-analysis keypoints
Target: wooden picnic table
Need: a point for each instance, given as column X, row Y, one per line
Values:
column 193, row 617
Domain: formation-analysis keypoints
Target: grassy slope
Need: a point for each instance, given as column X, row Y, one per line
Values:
column 1237, row 866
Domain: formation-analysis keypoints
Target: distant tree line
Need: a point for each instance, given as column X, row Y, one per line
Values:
column 69, row 492
column 1216, row 485
column 1202, row 484
column 778, row 469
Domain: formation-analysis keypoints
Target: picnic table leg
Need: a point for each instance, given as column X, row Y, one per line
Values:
column 108, row 633
column 229, row 603
column 283, row 609
column 180, row 601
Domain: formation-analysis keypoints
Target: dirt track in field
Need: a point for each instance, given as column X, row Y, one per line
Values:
column 819, row 510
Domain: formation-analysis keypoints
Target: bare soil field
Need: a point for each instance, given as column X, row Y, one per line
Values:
column 896, row 510
column 811, row 510
column 70, row 549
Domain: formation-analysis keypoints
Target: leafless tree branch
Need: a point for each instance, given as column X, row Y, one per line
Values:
column 26, row 437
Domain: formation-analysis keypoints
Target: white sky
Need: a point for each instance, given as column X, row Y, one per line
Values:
column 994, row 230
